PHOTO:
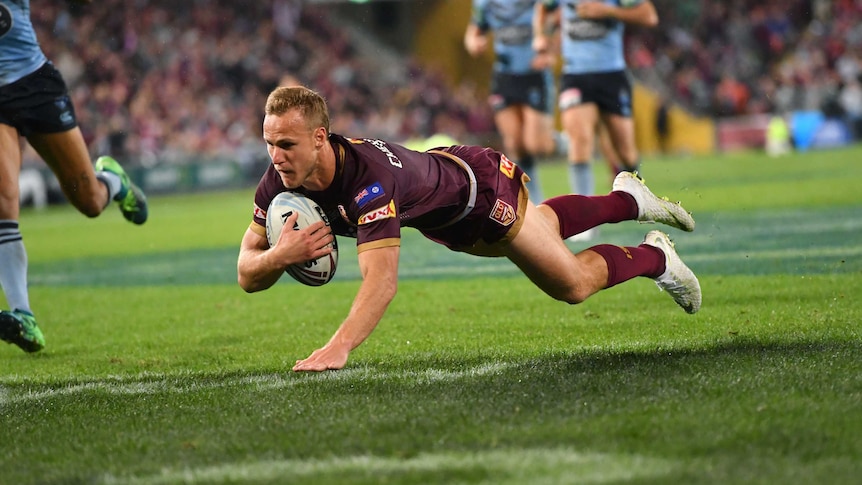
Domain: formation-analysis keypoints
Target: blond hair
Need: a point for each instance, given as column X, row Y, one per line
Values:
column 311, row 105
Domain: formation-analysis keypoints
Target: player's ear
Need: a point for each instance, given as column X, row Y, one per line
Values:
column 320, row 136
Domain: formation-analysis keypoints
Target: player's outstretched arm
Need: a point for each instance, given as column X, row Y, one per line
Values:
column 379, row 269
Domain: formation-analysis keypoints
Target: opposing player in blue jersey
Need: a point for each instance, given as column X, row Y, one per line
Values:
column 595, row 84
column 522, row 86
column 35, row 104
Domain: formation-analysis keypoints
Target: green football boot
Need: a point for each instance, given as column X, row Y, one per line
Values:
column 19, row 327
column 132, row 201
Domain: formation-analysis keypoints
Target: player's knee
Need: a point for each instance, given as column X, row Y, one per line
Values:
column 90, row 208
column 572, row 295
column 576, row 296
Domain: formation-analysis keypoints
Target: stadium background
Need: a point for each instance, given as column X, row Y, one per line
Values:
column 175, row 90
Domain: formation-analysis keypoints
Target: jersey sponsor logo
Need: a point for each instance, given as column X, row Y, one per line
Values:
column 385, row 212
column 515, row 34
column 569, row 98
column 368, row 194
column 258, row 212
column 503, row 213
column 6, row 20
column 507, row 166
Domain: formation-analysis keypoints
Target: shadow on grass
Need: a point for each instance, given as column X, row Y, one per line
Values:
column 733, row 403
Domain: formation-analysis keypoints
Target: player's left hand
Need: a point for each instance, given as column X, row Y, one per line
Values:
column 327, row 358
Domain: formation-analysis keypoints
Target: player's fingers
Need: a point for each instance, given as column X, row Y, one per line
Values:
column 319, row 230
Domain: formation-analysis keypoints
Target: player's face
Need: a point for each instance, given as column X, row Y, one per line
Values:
column 292, row 146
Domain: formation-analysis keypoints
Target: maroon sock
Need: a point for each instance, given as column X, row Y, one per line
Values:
column 577, row 213
column 626, row 262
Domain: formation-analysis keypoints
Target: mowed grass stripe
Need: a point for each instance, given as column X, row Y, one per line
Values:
column 740, row 243
column 535, row 466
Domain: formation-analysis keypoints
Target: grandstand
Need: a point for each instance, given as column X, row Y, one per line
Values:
column 157, row 83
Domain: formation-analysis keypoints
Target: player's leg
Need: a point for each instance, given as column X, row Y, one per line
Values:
column 510, row 124
column 47, row 118
column 621, row 134
column 66, row 154
column 539, row 139
column 608, row 150
column 579, row 122
column 88, row 189
column 17, row 325
column 614, row 98
column 630, row 199
column 575, row 277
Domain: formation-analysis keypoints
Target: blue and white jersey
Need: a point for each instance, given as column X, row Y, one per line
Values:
column 590, row 45
column 511, row 22
column 20, row 53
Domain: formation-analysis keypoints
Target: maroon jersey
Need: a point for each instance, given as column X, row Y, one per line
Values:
column 456, row 195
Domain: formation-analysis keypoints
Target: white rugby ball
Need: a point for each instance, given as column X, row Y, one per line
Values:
column 318, row 271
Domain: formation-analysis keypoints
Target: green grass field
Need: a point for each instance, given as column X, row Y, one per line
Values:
column 159, row 369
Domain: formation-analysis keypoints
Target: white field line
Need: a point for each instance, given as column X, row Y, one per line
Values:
column 536, row 466
column 161, row 384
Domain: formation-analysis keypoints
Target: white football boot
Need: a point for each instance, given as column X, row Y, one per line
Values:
column 652, row 208
column 677, row 280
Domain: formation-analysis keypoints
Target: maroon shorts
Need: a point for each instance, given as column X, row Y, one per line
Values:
column 500, row 203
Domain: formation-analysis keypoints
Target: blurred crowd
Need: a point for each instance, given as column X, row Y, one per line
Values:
column 738, row 57
column 157, row 81
column 165, row 81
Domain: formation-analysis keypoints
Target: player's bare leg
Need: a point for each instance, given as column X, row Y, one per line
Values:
column 67, row 155
column 543, row 257
column 580, row 123
column 17, row 325
column 510, row 122
column 621, row 135
column 88, row 189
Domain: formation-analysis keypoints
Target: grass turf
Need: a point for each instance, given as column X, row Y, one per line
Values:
column 159, row 369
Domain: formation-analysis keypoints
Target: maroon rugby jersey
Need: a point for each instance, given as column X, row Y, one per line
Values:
column 380, row 186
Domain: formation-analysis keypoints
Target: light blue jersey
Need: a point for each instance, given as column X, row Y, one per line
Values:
column 20, row 53
column 511, row 22
column 590, row 46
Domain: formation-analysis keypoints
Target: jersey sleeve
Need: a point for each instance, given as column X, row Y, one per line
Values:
column 378, row 224
column 269, row 186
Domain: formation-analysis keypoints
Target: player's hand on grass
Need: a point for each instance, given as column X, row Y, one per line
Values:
column 330, row 357
column 301, row 245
